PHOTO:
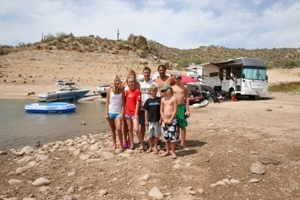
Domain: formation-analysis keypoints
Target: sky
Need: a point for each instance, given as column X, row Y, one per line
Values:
column 183, row 24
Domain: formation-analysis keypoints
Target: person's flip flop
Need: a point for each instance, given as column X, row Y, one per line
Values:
column 174, row 157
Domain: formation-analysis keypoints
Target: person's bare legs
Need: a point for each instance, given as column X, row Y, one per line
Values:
column 150, row 144
column 138, row 133
column 183, row 135
column 118, row 124
column 168, row 149
column 155, row 145
column 130, row 132
column 113, row 133
column 173, row 147
column 143, row 130
column 125, row 132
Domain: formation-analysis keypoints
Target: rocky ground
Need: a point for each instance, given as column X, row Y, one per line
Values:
column 235, row 150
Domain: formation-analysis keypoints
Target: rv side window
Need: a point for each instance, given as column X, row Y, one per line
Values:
column 221, row 74
column 213, row 74
column 228, row 70
column 238, row 72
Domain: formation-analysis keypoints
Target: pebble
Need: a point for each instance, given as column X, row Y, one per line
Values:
column 156, row 193
column 14, row 181
column 257, row 168
column 41, row 181
column 103, row 192
column 20, row 170
column 266, row 160
column 254, row 180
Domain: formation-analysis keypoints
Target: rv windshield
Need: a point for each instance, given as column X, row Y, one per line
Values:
column 254, row 73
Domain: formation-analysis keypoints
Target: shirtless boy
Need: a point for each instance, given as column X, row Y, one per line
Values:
column 181, row 93
column 163, row 78
column 168, row 111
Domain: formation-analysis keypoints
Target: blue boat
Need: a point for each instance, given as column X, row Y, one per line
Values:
column 54, row 107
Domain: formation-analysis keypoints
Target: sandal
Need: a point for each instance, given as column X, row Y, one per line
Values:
column 125, row 146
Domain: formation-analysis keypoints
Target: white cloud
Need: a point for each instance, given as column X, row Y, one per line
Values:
column 174, row 23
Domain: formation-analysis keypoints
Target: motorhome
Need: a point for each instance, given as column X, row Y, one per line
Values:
column 240, row 76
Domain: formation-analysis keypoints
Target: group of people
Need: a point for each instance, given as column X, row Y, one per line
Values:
column 135, row 105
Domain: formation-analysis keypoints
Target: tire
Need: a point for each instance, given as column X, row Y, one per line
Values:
column 251, row 97
column 210, row 99
column 103, row 95
column 231, row 93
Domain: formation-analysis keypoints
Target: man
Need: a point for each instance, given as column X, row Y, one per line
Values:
column 163, row 78
column 181, row 93
column 145, row 90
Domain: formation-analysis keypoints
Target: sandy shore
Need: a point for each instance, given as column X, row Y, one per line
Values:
column 235, row 150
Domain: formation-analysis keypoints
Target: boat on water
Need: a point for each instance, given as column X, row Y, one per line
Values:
column 53, row 107
column 68, row 91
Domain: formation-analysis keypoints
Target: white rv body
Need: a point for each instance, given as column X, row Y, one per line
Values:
column 240, row 76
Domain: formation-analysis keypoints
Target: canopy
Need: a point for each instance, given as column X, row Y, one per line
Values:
column 186, row 79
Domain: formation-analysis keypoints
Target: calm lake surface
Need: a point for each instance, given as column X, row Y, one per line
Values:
column 19, row 128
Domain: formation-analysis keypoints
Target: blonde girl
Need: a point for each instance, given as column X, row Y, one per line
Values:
column 114, row 111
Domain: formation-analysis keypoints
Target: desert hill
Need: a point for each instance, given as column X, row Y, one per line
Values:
column 144, row 48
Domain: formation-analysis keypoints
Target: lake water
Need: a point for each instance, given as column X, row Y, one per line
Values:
column 19, row 128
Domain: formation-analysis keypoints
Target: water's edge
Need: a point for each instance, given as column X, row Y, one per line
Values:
column 19, row 128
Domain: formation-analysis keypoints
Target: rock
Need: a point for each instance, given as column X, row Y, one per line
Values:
column 221, row 183
column 266, row 160
column 257, row 168
column 156, row 193
column 14, row 181
column 234, row 181
column 71, row 190
column 145, row 177
column 3, row 152
column 107, row 155
column 94, row 148
column 143, row 183
column 45, row 189
column 200, row 190
column 25, row 159
column 68, row 197
column 269, row 109
column 27, row 149
column 254, row 180
column 177, row 166
column 84, row 157
column 20, row 170
column 103, row 192
column 41, row 181
column 42, row 157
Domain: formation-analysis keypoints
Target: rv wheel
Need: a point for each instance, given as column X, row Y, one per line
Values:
column 251, row 97
column 231, row 93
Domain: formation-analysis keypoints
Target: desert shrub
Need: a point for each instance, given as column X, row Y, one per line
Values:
column 183, row 63
column 291, row 64
column 286, row 87
column 48, row 38
column 85, row 40
column 60, row 36
column 153, row 46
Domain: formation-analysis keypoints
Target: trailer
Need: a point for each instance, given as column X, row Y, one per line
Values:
column 240, row 76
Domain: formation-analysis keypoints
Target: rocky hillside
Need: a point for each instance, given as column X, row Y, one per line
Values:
column 144, row 48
